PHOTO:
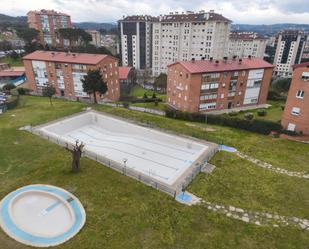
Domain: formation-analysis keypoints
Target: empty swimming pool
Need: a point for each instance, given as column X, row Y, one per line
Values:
column 159, row 155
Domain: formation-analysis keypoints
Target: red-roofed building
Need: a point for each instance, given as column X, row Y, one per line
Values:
column 209, row 85
column 296, row 113
column 65, row 70
column 47, row 22
column 127, row 79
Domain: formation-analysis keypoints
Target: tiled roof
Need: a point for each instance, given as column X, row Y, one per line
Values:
column 124, row 72
column 249, row 36
column 11, row 73
column 304, row 64
column 207, row 66
column 79, row 58
column 194, row 17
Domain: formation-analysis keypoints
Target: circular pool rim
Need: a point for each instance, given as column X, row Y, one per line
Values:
column 12, row 230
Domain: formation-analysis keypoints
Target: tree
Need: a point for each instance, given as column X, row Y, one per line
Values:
column 8, row 87
column 93, row 83
column 5, row 45
column 76, row 152
column 76, row 36
column 161, row 82
column 27, row 34
column 49, row 91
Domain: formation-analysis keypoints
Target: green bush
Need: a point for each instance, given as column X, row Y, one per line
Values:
column 8, row 87
column 249, row 116
column 256, row 125
column 232, row 114
column 23, row 91
column 154, row 95
column 262, row 112
column 126, row 105
column 145, row 96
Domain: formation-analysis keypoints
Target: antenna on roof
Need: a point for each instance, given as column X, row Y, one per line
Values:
column 240, row 61
column 249, row 57
column 225, row 59
column 193, row 60
column 211, row 59
column 217, row 62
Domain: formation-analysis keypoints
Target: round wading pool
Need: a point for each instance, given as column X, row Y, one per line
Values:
column 41, row 215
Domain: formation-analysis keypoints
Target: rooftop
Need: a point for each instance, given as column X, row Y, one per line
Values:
column 304, row 64
column 249, row 36
column 124, row 72
column 140, row 18
column 47, row 12
column 205, row 66
column 11, row 73
column 82, row 58
column 194, row 17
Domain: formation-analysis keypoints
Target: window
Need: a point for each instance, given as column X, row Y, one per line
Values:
column 209, row 86
column 300, row 94
column 207, row 106
column 295, row 111
column 305, row 76
column 208, row 96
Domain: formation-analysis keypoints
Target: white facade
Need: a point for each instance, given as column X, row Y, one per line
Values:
column 243, row 47
column 252, row 93
column 186, row 39
column 40, row 73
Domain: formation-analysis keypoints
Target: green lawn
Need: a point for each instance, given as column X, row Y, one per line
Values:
column 138, row 91
column 123, row 213
column 274, row 112
column 13, row 62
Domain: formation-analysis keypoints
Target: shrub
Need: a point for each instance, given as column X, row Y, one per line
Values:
column 249, row 116
column 148, row 100
column 8, row 87
column 232, row 114
column 256, row 125
column 23, row 91
column 154, row 95
column 282, row 107
column 145, row 96
column 125, row 104
column 262, row 112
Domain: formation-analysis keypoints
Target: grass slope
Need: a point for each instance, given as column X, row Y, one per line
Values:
column 123, row 213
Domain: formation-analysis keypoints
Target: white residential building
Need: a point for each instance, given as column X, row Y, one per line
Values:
column 289, row 50
column 245, row 44
column 178, row 37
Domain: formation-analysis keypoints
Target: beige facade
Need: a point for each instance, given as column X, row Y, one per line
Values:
column 181, row 37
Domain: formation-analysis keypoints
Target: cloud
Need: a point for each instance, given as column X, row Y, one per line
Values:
column 240, row 11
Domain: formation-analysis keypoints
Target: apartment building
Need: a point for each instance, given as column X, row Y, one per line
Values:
column 181, row 37
column 136, row 41
column 96, row 37
column 209, row 85
column 306, row 50
column 64, row 71
column 289, row 49
column 296, row 112
column 244, row 44
column 47, row 22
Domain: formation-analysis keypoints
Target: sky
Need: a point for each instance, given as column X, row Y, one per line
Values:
column 239, row 11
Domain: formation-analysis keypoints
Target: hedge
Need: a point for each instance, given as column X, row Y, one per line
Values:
column 12, row 102
column 255, row 125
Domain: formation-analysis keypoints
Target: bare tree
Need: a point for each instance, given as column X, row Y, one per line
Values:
column 76, row 152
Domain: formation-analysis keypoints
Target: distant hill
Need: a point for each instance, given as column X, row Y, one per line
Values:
column 12, row 19
column 269, row 29
column 95, row 25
